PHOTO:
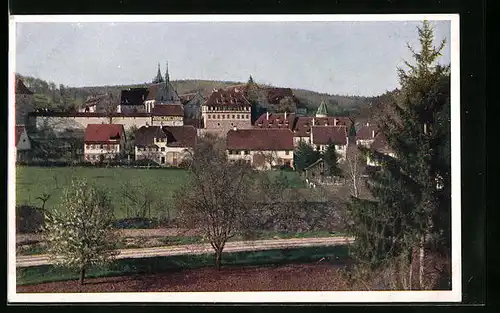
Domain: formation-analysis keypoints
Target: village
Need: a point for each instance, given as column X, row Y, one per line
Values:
column 165, row 126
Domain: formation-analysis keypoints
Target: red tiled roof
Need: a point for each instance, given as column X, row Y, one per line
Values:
column 275, row 120
column 19, row 130
column 181, row 136
column 303, row 124
column 230, row 97
column 168, row 110
column 103, row 132
column 323, row 135
column 260, row 139
column 153, row 91
column 367, row 132
column 21, row 88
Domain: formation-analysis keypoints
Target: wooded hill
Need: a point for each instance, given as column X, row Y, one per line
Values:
column 64, row 98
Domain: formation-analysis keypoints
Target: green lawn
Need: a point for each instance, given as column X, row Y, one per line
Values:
column 47, row 273
column 31, row 182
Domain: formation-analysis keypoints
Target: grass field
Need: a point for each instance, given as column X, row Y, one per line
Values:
column 32, row 182
column 47, row 273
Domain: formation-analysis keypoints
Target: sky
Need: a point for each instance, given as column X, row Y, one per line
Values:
column 345, row 58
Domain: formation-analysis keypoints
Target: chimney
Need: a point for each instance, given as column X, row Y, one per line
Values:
column 373, row 133
column 334, row 122
column 267, row 115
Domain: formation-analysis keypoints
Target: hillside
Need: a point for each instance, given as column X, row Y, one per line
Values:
column 50, row 95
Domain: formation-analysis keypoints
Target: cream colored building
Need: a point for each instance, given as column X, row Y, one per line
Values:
column 262, row 148
column 165, row 145
column 103, row 142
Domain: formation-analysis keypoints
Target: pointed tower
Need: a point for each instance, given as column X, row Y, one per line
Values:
column 167, row 76
column 322, row 111
column 158, row 78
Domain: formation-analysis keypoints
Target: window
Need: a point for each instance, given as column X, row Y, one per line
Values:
column 287, row 152
column 218, row 116
column 101, row 146
column 91, row 146
column 233, row 116
column 218, row 124
column 162, row 148
column 247, row 152
column 230, row 152
column 238, row 116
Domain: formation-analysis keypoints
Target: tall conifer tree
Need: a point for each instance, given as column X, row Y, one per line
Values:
column 412, row 204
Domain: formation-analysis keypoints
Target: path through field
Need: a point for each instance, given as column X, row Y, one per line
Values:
column 193, row 249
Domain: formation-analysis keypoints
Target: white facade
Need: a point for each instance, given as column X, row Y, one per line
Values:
column 95, row 152
column 80, row 122
column 162, row 154
column 262, row 160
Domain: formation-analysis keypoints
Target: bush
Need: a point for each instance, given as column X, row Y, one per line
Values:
column 29, row 219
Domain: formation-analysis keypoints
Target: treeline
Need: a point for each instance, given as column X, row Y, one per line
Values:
column 49, row 95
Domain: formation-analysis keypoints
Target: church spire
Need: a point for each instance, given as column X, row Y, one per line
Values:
column 158, row 78
column 167, row 76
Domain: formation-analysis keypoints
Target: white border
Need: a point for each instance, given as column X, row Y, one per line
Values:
column 455, row 295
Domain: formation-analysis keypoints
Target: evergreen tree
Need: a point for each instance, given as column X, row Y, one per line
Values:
column 159, row 78
column 412, row 203
column 331, row 159
column 304, row 156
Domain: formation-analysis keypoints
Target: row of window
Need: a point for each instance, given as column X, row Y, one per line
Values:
column 228, row 116
column 160, row 139
column 103, row 147
column 90, row 157
column 229, row 108
column 155, row 149
column 247, row 152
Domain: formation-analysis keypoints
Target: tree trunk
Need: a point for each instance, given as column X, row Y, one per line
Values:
column 82, row 276
column 421, row 263
column 218, row 259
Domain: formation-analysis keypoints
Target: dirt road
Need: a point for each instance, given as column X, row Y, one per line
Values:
column 236, row 246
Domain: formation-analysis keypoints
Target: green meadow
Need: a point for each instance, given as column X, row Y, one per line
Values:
column 32, row 182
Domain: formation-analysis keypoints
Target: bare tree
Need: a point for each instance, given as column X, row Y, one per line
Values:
column 217, row 197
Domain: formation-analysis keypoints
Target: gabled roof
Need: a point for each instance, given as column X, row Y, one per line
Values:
column 19, row 130
column 323, row 135
column 177, row 136
column 227, row 97
column 133, row 96
column 103, row 133
column 181, row 136
column 155, row 91
column 367, row 132
column 303, row 124
column 275, row 120
column 167, row 110
column 380, row 143
column 260, row 139
column 144, row 136
column 94, row 100
column 21, row 88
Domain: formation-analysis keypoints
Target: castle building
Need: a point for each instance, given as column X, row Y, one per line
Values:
column 226, row 109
